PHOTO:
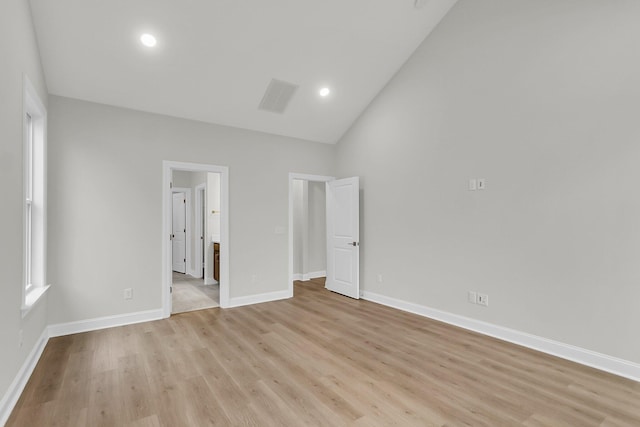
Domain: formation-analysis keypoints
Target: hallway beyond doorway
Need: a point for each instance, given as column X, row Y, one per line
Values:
column 191, row 294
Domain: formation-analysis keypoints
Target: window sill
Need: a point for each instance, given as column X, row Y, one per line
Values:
column 32, row 298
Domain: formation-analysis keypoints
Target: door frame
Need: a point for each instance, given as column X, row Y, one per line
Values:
column 168, row 167
column 201, row 194
column 304, row 177
column 187, row 226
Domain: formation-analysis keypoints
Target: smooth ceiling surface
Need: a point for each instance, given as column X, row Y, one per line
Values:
column 215, row 58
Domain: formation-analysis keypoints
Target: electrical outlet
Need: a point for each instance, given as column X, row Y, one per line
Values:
column 254, row 278
column 128, row 293
column 20, row 338
column 379, row 278
column 472, row 184
column 483, row 299
column 472, row 297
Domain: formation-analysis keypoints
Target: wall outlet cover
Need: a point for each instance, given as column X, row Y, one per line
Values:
column 483, row 299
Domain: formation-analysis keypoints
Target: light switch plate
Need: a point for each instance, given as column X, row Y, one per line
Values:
column 481, row 184
column 472, row 297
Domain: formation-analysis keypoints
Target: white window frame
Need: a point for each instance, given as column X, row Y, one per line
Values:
column 35, row 198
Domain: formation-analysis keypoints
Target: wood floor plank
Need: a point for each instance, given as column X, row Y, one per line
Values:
column 318, row 359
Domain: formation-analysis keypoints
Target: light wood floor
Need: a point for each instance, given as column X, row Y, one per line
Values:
column 317, row 359
column 191, row 294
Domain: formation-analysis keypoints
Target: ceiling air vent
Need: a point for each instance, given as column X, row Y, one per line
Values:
column 277, row 96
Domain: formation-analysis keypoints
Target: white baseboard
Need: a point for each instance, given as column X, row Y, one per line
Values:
column 103, row 322
column 257, row 299
column 195, row 274
column 314, row 275
column 12, row 395
column 309, row 276
column 603, row 362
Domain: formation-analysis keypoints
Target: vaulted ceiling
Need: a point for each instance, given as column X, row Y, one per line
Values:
column 215, row 58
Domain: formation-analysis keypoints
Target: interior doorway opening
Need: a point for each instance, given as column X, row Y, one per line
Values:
column 199, row 278
column 307, row 228
column 195, row 239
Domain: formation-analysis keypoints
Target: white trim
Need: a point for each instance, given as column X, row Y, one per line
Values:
column 309, row 276
column 583, row 356
column 98, row 323
column 314, row 275
column 33, row 105
column 187, row 226
column 258, row 298
column 18, row 384
column 167, row 168
column 305, row 177
column 200, row 196
column 32, row 297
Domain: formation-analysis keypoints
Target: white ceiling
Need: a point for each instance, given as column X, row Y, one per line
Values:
column 215, row 58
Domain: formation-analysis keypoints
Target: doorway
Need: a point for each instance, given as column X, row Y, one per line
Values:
column 211, row 225
column 179, row 242
column 192, row 288
column 307, row 227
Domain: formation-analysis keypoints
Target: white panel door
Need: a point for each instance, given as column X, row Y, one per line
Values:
column 343, row 236
column 179, row 233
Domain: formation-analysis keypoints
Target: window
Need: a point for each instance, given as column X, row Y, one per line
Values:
column 34, row 148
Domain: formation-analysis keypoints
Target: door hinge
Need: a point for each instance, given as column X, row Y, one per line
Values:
column 171, row 185
column 184, row 200
column 170, row 289
column 185, row 260
column 184, row 231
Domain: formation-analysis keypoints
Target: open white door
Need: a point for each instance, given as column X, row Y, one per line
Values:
column 343, row 237
column 179, row 233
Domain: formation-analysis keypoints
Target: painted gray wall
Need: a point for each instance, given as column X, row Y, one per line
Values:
column 107, row 239
column 540, row 98
column 300, row 229
column 18, row 55
column 317, row 224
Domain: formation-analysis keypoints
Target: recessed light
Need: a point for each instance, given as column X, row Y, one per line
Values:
column 325, row 91
column 148, row 40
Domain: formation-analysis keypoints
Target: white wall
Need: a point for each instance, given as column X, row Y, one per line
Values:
column 541, row 98
column 213, row 223
column 18, row 55
column 105, row 176
column 213, row 204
